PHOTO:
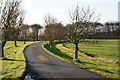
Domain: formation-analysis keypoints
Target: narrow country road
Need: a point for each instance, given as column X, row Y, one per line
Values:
column 40, row 64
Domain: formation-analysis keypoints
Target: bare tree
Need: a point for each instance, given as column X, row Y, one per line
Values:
column 10, row 18
column 24, row 32
column 35, row 31
column 50, row 29
column 82, row 21
column 108, row 29
column 96, row 34
column 15, row 30
column 112, row 28
column 0, row 30
column 60, row 32
column 117, row 30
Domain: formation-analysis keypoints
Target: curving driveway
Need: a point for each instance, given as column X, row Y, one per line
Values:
column 40, row 64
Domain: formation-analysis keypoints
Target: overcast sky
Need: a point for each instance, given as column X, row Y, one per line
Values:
column 36, row 10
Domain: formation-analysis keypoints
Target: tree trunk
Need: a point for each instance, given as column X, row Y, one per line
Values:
column 50, row 43
column 24, row 38
column 33, row 40
column 15, row 43
column 76, row 51
column 59, row 40
column 24, row 42
column 2, row 49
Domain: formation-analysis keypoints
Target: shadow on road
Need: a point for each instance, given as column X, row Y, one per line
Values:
column 53, row 64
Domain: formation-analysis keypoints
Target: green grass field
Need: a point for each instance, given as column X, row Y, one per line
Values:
column 105, row 48
column 15, row 65
column 102, row 67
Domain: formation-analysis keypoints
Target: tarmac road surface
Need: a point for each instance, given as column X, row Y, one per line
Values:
column 40, row 64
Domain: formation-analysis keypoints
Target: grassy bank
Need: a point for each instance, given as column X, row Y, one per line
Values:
column 104, row 68
column 15, row 65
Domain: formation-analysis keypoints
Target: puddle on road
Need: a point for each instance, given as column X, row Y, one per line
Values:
column 28, row 77
column 37, row 76
column 32, row 76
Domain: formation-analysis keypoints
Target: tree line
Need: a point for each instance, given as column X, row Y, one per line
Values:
column 83, row 25
column 108, row 30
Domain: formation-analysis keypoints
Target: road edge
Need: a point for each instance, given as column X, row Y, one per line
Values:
column 24, row 73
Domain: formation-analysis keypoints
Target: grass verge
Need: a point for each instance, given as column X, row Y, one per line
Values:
column 104, row 68
column 14, row 67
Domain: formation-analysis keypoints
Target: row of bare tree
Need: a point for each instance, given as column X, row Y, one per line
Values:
column 82, row 20
column 11, row 19
column 109, row 30
column 29, row 33
column 12, row 27
column 54, row 30
column 84, row 24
